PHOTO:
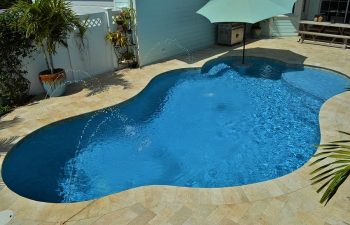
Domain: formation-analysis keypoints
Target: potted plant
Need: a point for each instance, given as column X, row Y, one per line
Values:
column 49, row 23
column 122, row 39
column 256, row 30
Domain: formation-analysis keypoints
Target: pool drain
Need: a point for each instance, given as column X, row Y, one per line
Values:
column 5, row 217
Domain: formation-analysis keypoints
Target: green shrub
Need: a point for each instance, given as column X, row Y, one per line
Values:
column 4, row 109
column 5, row 4
column 14, row 46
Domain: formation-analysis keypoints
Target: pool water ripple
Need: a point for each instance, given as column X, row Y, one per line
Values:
column 213, row 127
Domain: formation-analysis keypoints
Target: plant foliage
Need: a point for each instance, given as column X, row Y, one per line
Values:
column 331, row 175
column 49, row 23
column 4, row 109
column 122, row 38
column 5, row 4
column 14, row 46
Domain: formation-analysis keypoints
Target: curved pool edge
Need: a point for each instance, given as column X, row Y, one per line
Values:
column 19, row 140
column 298, row 179
column 34, row 131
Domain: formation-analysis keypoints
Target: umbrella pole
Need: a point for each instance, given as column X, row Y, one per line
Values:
column 245, row 25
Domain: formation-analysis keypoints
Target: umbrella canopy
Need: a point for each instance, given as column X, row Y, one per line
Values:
column 244, row 11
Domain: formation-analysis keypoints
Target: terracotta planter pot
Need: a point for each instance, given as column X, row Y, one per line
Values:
column 54, row 84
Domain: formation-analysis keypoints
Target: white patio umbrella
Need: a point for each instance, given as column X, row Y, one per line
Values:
column 244, row 11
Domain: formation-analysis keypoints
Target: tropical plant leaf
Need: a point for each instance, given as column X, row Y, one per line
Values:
column 338, row 180
column 318, row 160
column 320, row 168
column 332, row 163
column 6, row 143
column 324, row 185
column 327, row 172
column 343, row 132
column 338, row 156
column 323, row 153
column 322, row 178
column 331, row 174
column 342, row 141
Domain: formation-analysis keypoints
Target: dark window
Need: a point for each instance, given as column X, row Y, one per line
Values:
column 335, row 10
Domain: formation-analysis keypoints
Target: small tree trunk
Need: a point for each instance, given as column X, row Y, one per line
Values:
column 51, row 63
column 46, row 57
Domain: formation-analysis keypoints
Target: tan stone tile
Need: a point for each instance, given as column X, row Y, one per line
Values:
column 187, row 195
column 86, row 221
column 218, row 214
column 162, row 217
column 143, row 218
column 233, row 195
column 237, row 211
column 201, row 212
column 227, row 222
column 180, row 216
column 122, row 216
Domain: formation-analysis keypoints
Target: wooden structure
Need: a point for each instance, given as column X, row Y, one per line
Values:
column 334, row 33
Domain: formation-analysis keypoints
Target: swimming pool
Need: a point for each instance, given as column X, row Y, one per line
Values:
column 217, row 126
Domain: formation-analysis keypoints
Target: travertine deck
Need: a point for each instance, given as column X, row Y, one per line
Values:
column 286, row 200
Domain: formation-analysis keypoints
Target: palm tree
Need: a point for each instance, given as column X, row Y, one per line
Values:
column 49, row 22
column 332, row 174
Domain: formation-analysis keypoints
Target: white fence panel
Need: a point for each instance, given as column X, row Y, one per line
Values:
column 100, row 51
column 95, row 57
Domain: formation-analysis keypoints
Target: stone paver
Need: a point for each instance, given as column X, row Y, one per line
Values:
column 286, row 200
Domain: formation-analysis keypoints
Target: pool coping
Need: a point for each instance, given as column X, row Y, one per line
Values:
column 19, row 141
column 292, row 182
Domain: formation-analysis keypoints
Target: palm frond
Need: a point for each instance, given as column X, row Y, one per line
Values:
column 6, row 143
column 332, row 174
column 49, row 23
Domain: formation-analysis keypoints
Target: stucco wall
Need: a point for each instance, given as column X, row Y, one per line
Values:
column 169, row 28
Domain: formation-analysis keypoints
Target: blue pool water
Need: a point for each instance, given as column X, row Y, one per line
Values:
column 218, row 126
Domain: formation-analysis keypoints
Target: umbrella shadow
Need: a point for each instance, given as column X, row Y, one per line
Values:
column 212, row 51
column 260, row 62
column 283, row 55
